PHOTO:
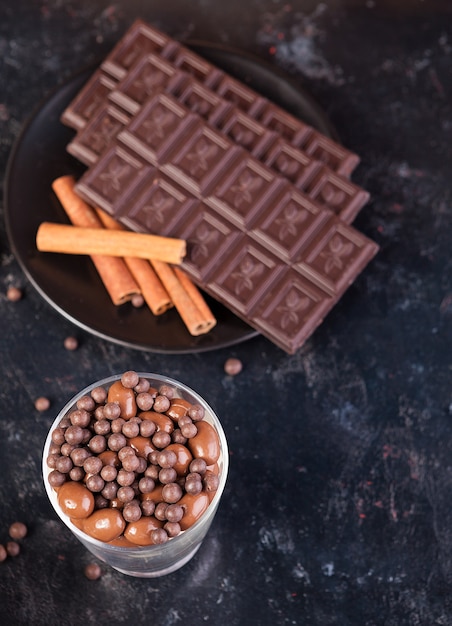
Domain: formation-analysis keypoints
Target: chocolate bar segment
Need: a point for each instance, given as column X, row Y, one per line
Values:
column 150, row 74
column 306, row 138
column 89, row 100
column 140, row 40
column 291, row 311
column 198, row 68
column 93, row 139
column 257, row 244
column 336, row 193
column 159, row 123
column 143, row 39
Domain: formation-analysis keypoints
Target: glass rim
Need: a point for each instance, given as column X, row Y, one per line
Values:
column 213, row 504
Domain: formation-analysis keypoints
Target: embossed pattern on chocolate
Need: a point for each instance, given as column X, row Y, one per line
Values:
column 89, row 100
column 142, row 39
column 96, row 135
column 274, row 145
column 272, row 255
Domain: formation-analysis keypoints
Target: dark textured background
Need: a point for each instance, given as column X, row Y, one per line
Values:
column 338, row 508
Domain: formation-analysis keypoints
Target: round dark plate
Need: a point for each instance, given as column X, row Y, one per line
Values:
column 70, row 283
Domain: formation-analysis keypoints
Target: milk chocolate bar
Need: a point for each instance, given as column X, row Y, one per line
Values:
column 255, row 243
column 151, row 73
column 142, row 39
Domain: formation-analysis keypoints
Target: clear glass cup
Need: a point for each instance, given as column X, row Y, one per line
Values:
column 155, row 560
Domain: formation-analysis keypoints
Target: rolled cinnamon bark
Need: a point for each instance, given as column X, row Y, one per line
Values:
column 197, row 315
column 116, row 277
column 193, row 318
column 67, row 239
column 209, row 320
column 152, row 290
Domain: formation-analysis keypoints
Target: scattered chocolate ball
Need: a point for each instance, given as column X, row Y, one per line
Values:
column 161, row 404
column 42, row 404
column 71, row 343
column 18, row 530
column 172, row 529
column 159, row 535
column 56, row 479
column 137, row 300
column 93, row 571
column 174, row 512
column 143, row 386
column 233, row 366
column 14, row 294
column 99, row 395
column 3, row 553
column 12, row 548
column 198, row 466
column 147, row 507
column 210, row 482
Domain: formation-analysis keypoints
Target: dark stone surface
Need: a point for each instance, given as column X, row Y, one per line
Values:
column 338, row 507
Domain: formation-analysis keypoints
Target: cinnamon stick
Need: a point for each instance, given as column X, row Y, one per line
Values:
column 78, row 240
column 152, row 290
column 113, row 272
column 187, row 298
column 176, row 285
column 192, row 316
column 196, row 297
column 78, row 211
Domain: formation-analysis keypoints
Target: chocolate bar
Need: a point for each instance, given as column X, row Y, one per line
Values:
column 151, row 73
column 256, row 243
column 142, row 39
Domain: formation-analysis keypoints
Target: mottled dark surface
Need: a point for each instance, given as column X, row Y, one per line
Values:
column 338, row 508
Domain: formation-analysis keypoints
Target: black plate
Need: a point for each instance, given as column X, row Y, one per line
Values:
column 70, row 284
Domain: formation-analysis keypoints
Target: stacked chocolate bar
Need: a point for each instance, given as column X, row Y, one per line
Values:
column 175, row 146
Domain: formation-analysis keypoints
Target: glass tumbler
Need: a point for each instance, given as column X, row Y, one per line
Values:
column 159, row 559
